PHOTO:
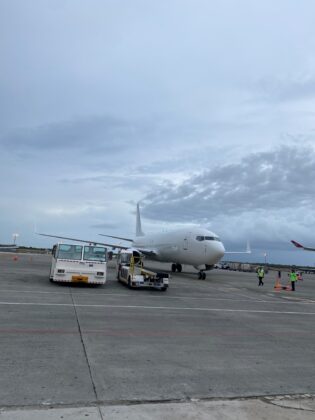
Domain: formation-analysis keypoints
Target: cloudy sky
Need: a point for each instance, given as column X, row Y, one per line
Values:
column 202, row 110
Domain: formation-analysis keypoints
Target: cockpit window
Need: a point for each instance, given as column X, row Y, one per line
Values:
column 212, row 238
column 207, row 238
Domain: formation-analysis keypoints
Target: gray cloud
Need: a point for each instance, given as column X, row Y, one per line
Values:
column 260, row 181
column 267, row 197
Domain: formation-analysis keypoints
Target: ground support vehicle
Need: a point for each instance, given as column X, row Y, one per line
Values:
column 223, row 266
column 238, row 266
column 130, row 271
column 78, row 264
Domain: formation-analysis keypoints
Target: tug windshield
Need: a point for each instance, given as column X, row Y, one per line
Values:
column 94, row 253
column 70, row 252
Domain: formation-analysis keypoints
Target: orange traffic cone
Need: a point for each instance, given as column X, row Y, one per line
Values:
column 278, row 285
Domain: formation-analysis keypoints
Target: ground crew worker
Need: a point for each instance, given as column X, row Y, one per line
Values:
column 293, row 279
column 261, row 275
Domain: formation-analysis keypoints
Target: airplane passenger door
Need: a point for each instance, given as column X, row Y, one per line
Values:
column 185, row 244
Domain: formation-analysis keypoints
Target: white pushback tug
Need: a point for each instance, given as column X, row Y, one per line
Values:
column 130, row 271
column 78, row 264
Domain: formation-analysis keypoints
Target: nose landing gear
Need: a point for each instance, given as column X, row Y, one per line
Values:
column 202, row 275
column 176, row 267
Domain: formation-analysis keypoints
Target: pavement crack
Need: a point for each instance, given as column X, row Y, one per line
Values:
column 276, row 402
column 270, row 399
column 85, row 353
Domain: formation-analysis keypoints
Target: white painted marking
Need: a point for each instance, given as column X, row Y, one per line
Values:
column 176, row 308
column 77, row 293
column 236, row 292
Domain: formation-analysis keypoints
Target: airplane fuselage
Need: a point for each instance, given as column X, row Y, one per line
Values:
column 198, row 247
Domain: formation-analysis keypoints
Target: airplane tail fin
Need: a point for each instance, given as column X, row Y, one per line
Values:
column 138, row 223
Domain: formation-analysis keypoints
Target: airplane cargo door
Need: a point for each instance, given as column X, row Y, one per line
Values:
column 185, row 244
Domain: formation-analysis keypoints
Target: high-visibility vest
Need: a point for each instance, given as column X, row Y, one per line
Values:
column 261, row 273
column 293, row 276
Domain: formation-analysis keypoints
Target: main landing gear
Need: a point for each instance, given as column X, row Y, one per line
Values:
column 202, row 275
column 176, row 267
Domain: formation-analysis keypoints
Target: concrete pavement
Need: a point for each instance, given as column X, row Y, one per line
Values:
column 114, row 350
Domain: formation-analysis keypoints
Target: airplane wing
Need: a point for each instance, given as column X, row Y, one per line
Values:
column 82, row 240
column 248, row 250
column 117, row 237
column 302, row 247
column 145, row 251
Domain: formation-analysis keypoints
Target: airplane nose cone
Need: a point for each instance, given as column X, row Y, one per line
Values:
column 216, row 252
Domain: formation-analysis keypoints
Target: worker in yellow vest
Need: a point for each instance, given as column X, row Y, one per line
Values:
column 261, row 275
column 293, row 279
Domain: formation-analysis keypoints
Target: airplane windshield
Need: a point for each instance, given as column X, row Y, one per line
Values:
column 207, row 238
column 94, row 253
column 212, row 238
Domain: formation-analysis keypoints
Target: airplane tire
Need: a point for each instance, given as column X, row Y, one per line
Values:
column 179, row 268
column 173, row 268
column 203, row 276
column 200, row 275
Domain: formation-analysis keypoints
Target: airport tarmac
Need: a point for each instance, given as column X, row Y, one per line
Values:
column 202, row 349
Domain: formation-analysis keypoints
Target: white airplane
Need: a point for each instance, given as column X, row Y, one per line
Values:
column 198, row 247
column 302, row 247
